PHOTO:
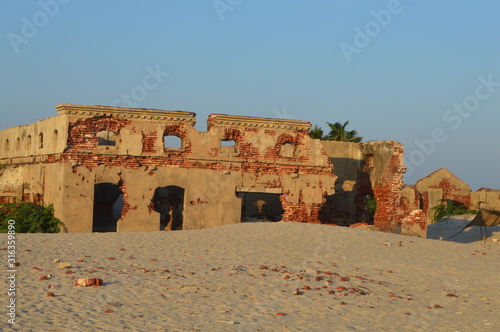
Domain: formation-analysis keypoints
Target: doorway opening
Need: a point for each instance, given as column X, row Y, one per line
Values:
column 169, row 203
column 259, row 207
column 108, row 205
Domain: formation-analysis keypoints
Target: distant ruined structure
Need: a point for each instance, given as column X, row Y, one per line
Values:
column 128, row 169
column 444, row 185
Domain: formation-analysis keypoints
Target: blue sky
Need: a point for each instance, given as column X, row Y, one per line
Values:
column 424, row 73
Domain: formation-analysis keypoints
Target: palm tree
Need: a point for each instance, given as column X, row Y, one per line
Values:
column 316, row 132
column 338, row 132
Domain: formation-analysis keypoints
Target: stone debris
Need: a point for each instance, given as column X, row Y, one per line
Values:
column 114, row 304
column 87, row 282
column 64, row 265
column 229, row 322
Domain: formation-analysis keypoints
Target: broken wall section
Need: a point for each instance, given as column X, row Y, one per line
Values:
column 440, row 185
column 431, row 190
column 369, row 180
column 43, row 137
column 112, row 151
column 486, row 198
column 276, row 156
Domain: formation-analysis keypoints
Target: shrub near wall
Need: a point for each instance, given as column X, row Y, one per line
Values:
column 30, row 218
column 448, row 208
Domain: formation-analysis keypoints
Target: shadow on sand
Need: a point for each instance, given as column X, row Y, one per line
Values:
column 449, row 226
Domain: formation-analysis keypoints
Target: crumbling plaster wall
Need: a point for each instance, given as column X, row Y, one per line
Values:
column 439, row 185
column 43, row 137
column 387, row 180
column 11, row 184
column 36, row 183
column 443, row 184
column 486, row 198
column 205, row 204
column 340, row 208
column 270, row 156
column 366, row 169
column 408, row 200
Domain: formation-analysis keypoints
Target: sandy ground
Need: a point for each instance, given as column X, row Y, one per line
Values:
column 258, row 277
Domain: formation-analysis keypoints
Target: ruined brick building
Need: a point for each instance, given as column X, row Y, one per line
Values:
column 444, row 185
column 127, row 169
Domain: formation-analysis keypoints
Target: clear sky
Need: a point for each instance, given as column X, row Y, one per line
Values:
column 424, row 73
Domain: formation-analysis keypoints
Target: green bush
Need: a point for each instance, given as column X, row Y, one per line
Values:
column 30, row 218
column 371, row 205
column 449, row 208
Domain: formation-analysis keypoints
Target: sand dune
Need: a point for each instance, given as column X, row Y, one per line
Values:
column 256, row 277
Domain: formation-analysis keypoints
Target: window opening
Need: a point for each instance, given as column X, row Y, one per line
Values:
column 172, row 142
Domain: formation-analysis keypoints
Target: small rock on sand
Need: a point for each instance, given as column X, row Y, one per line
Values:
column 64, row 265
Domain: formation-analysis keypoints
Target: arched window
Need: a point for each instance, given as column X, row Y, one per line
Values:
column 7, row 146
column 172, row 142
column 18, row 144
column 28, row 143
column 288, row 149
column 106, row 138
column 55, row 137
column 228, row 146
column 40, row 141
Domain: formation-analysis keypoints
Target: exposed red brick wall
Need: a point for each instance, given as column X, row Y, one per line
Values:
column 232, row 133
column 450, row 192
column 126, row 206
column 33, row 198
column 386, row 191
column 82, row 138
column 149, row 142
column 246, row 149
column 452, row 189
column 297, row 140
column 415, row 217
column 82, row 133
column 6, row 199
column 299, row 212
column 82, row 143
